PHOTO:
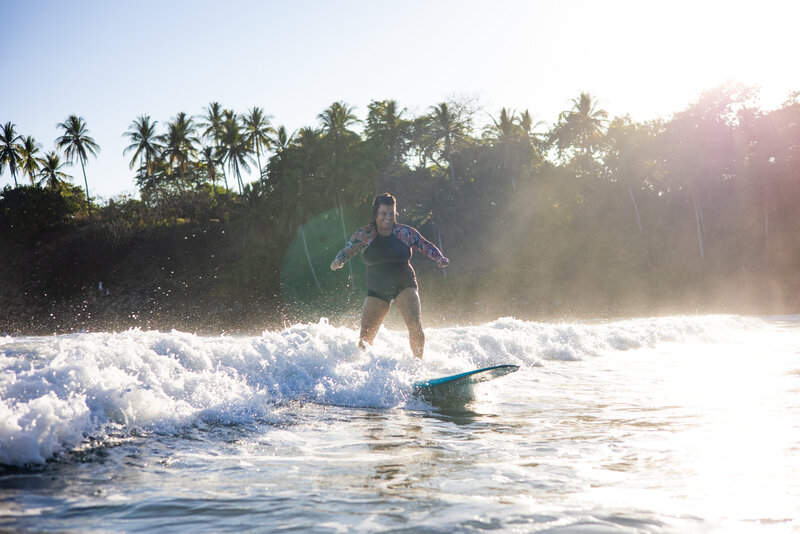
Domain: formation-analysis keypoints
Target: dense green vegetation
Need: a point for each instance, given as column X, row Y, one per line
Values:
column 591, row 216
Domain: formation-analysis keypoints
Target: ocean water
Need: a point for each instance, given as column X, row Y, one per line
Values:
column 675, row 424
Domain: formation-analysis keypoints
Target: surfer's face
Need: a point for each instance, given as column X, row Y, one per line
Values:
column 385, row 217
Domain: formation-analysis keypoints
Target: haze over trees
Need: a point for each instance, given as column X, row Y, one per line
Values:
column 593, row 213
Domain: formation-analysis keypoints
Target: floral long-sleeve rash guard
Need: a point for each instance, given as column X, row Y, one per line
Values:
column 364, row 236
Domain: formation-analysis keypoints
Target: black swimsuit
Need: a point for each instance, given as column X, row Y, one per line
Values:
column 389, row 269
column 387, row 257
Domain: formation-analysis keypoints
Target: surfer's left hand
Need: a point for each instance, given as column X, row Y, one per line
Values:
column 442, row 262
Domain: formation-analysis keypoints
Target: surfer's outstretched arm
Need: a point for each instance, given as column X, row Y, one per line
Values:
column 360, row 240
column 412, row 238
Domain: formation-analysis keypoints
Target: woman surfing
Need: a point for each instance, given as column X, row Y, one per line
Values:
column 387, row 249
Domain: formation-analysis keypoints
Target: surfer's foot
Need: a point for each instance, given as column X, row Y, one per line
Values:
column 361, row 344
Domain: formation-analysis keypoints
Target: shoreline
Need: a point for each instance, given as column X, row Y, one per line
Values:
column 120, row 313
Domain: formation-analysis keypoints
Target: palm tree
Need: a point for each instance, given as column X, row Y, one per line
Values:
column 280, row 140
column 235, row 148
column 624, row 156
column 258, row 130
column 10, row 149
column 179, row 142
column 145, row 146
column 29, row 161
column 282, row 144
column 213, row 131
column 336, row 123
column 76, row 143
column 386, row 126
column 390, row 132
column 51, row 174
column 211, row 160
column 588, row 120
column 507, row 142
column 580, row 128
column 446, row 129
column 337, row 119
column 442, row 130
column 211, row 122
column 421, row 140
column 506, row 127
column 311, row 150
column 538, row 140
column 144, row 142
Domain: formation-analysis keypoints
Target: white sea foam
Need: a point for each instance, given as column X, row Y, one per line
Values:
column 56, row 391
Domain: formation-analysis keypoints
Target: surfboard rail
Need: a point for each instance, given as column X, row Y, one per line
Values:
column 458, row 388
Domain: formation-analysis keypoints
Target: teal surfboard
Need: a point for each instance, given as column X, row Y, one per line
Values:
column 459, row 388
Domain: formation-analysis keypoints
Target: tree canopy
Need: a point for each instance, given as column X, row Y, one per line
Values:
column 602, row 205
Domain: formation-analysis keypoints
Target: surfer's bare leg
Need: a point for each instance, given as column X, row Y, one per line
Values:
column 372, row 316
column 411, row 310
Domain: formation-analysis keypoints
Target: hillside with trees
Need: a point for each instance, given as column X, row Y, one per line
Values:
column 592, row 216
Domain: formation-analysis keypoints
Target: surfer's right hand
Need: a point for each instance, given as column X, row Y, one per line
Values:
column 335, row 265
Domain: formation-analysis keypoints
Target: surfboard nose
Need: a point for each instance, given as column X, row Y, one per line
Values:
column 459, row 388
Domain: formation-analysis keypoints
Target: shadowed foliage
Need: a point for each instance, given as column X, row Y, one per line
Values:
column 592, row 215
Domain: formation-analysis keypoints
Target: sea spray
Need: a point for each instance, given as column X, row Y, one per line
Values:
column 57, row 391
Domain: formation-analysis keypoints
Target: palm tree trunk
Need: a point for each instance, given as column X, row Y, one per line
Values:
column 258, row 157
column 699, row 220
column 452, row 172
column 344, row 229
column 439, row 239
column 181, row 175
column 766, row 220
column 88, row 201
column 225, row 176
column 436, row 217
column 308, row 257
column 156, row 205
column 239, row 179
column 635, row 208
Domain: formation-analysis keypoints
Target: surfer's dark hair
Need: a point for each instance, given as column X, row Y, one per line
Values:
column 385, row 199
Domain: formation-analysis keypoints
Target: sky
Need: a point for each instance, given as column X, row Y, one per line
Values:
column 112, row 61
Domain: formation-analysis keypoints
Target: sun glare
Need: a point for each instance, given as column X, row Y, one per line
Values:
column 660, row 57
column 740, row 450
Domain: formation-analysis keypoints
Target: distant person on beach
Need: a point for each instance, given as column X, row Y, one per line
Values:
column 387, row 253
